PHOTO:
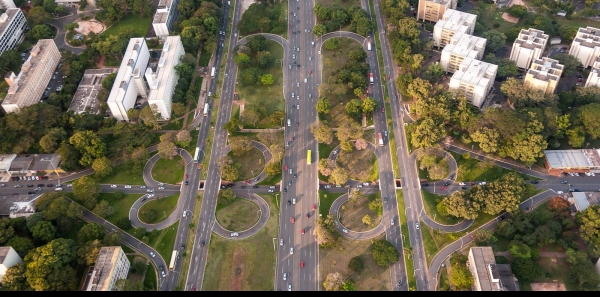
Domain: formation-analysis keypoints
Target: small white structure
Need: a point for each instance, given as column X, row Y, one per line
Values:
column 129, row 83
column 528, row 46
column 475, row 79
column 165, row 16
column 452, row 22
column 433, row 10
column 12, row 27
column 8, row 258
column 544, row 75
column 461, row 46
column 586, row 46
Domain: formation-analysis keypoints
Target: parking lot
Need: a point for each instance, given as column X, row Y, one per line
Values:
column 55, row 84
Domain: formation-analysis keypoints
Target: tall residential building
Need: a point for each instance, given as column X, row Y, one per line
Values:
column 586, row 46
column 165, row 16
column 28, row 87
column 111, row 266
column 461, row 46
column 475, row 79
column 8, row 258
column 12, row 28
column 593, row 79
column 129, row 83
column 433, row 10
column 163, row 80
column 528, row 46
column 6, row 4
column 487, row 275
column 544, row 75
column 452, row 22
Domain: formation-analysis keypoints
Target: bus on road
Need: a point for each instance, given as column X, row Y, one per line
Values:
column 197, row 155
column 308, row 157
column 369, row 45
column 371, row 78
column 205, row 109
column 212, row 72
column 173, row 259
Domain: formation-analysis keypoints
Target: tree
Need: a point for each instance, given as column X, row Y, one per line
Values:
column 483, row 236
column 129, row 285
column 323, row 106
column 384, row 252
column 103, row 209
column 267, row 79
column 50, row 142
column 112, row 238
column 32, row 220
column 6, row 230
column 326, row 166
column 138, row 267
column 47, row 267
column 89, row 145
column 148, row 216
column 582, row 270
column 369, row 105
column 333, row 282
column 273, row 168
column 322, row 133
column 57, row 209
column 517, row 11
column 325, row 232
column 460, row 275
column 360, row 144
column 460, row 205
column 124, row 223
column 183, row 138
column 277, row 117
column 589, row 116
column 90, row 231
column 526, row 270
column 488, row 139
column 589, row 226
column 427, row 133
column 87, row 253
column 559, row 207
column 332, row 43
column 233, row 126
column 367, row 220
column 495, row 40
column 348, row 286
column 167, row 150
column 319, row 30
column 40, row 32
column 519, row 250
column 354, row 108
column 102, row 167
column 349, row 130
column 242, row 60
column 69, row 157
column 356, row 264
column 339, row 176
column 21, row 245
column 240, row 145
column 178, row 108
column 434, row 73
column 14, row 279
column 43, row 231
column 37, row 15
column 85, row 191
column 570, row 62
column 576, row 136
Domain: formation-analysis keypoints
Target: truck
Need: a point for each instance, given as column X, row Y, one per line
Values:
column 371, row 78
column 205, row 109
column 212, row 72
column 380, row 139
column 369, row 45
column 173, row 259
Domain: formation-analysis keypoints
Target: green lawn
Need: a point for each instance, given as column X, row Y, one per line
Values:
column 139, row 24
column 324, row 152
column 251, row 164
column 169, row 171
column 325, row 201
column 430, row 202
column 253, row 257
column 123, row 174
column 374, row 176
column 271, row 96
column 163, row 207
column 173, row 124
column 412, row 282
column 240, row 215
column 474, row 170
column 166, row 241
column 150, row 279
column 204, row 58
column 271, row 180
column 121, row 206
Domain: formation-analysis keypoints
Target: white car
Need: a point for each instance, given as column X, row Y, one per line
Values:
column 293, row 200
column 392, row 221
column 270, row 191
column 417, row 226
column 142, row 187
column 69, row 185
column 127, row 187
column 482, row 183
column 161, row 188
column 184, row 214
column 297, row 84
column 152, row 254
column 150, row 190
column 462, row 184
column 234, row 234
column 284, row 276
column 291, row 172
column 327, row 186
column 335, row 152
column 281, row 243
column 289, row 287
column 559, row 192
column 272, row 187
column 291, row 251
column 160, row 184
column 366, row 184
column 345, row 230
column 113, row 186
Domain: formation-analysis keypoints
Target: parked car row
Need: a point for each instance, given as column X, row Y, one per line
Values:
column 34, row 177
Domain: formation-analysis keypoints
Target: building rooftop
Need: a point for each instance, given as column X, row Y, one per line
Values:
column 3, row 252
column 583, row 200
column 507, row 279
column 157, row 78
column 44, row 162
column 589, row 37
column 455, row 20
column 85, row 98
column 103, row 268
column 5, row 161
column 465, row 45
column 545, row 69
column 7, row 17
column 483, row 257
column 475, row 72
column 127, row 70
column 439, row 1
column 21, row 163
column 532, row 38
column 162, row 11
column 11, row 204
column 573, row 159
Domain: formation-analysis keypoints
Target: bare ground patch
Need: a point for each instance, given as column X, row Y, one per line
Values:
column 237, row 274
column 358, row 163
column 507, row 17
column 354, row 210
column 85, row 27
column 548, row 287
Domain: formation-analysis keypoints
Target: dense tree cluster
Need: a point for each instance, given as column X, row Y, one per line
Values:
column 327, row 235
column 334, row 17
column 114, row 10
column 263, row 17
column 460, row 276
column 198, row 24
column 384, row 252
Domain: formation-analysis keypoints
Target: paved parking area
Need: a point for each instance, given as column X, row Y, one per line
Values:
column 85, row 98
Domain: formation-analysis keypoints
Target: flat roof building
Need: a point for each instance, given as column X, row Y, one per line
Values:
column 8, row 258
column 28, row 87
column 12, row 27
column 165, row 16
column 130, row 82
column 453, row 21
column 5, row 161
column 433, row 10
column 582, row 160
column 474, row 79
column 487, row 275
column 111, row 266
column 162, row 81
column 586, row 46
column 85, row 98
column 461, row 46
column 6, row 4
column 528, row 46
column 14, row 206
column 593, row 79
column 544, row 75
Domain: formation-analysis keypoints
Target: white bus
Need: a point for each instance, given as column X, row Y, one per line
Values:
column 369, row 45
column 173, row 259
column 196, row 155
column 205, row 109
column 212, row 72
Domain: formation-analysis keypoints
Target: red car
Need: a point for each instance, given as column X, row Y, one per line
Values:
column 472, row 183
column 292, row 220
column 186, row 176
column 443, row 188
column 194, row 288
column 308, row 215
column 314, row 207
column 301, row 264
column 309, row 71
column 302, row 231
column 383, row 109
column 285, row 167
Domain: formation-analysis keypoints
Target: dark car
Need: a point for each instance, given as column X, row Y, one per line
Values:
column 501, row 218
column 49, row 185
column 533, row 182
column 45, row 178
column 464, row 188
column 203, row 242
column 243, row 187
column 41, row 185
column 564, row 182
column 30, row 186
column 186, row 182
column 425, row 185
column 255, row 187
column 295, row 175
column 31, row 193
column 285, row 190
column 385, row 199
column 289, row 202
column 298, row 66
column 182, row 247
column 290, row 182
column 231, row 185
column 446, row 184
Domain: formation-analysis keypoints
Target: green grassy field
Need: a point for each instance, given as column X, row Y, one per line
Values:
column 163, row 208
column 430, row 202
column 325, row 201
column 240, row 215
column 271, row 180
column 324, row 152
column 246, row 264
column 251, row 164
column 121, row 206
column 122, row 174
column 165, row 242
column 150, row 278
column 169, row 171
column 474, row 170
column 139, row 24
column 271, row 96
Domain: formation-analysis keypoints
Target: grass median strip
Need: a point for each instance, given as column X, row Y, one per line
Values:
column 412, row 282
column 185, row 261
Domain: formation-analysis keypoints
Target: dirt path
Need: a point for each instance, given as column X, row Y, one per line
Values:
column 237, row 275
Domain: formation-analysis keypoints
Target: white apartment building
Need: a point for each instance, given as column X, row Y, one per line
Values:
column 487, row 275
column 111, row 266
column 594, row 77
column 163, row 80
column 461, row 46
column 544, row 75
column 12, row 28
column 165, row 16
column 433, row 10
column 129, row 83
column 6, row 4
column 475, row 79
column 586, row 46
column 528, row 46
column 28, row 87
column 452, row 22
column 8, row 258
